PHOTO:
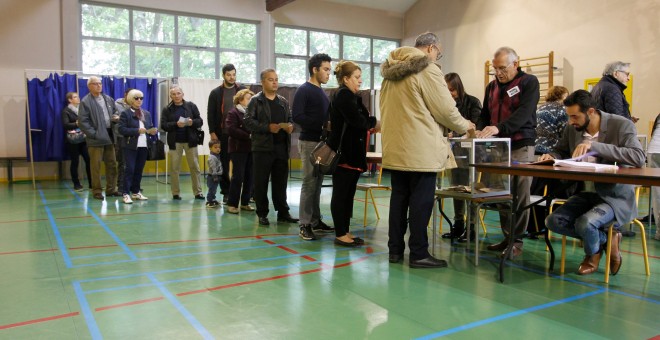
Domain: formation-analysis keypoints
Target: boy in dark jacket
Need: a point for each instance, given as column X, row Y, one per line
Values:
column 215, row 171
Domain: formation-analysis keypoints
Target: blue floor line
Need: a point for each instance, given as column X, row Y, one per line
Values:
column 86, row 311
column 509, row 315
column 186, row 314
column 56, row 232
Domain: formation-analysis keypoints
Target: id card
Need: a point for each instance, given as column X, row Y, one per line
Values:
column 513, row 91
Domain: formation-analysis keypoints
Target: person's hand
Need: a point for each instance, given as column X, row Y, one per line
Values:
column 115, row 118
column 450, row 135
column 153, row 131
column 581, row 149
column 77, row 124
column 289, row 128
column 214, row 136
column 488, row 131
column 545, row 157
column 274, row 128
column 472, row 126
column 142, row 130
column 180, row 124
column 189, row 122
column 634, row 119
column 377, row 127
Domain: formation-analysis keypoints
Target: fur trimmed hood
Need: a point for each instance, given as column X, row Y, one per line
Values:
column 403, row 62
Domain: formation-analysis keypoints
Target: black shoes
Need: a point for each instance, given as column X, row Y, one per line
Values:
column 347, row 244
column 306, row 233
column 286, row 218
column 78, row 188
column 498, row 246
column 263, row 220
column 115, row 194
column 396, row 258
column 176, row 197
column 457, row 230
column 323, row 228
column 463, row 238
column 99, row 197
column 200, row 197
column 429, row 262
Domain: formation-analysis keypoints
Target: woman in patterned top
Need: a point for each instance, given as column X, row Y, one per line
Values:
column 551, row 119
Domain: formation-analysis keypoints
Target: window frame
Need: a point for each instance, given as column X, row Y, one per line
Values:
column 375, row 65
column 176, row 46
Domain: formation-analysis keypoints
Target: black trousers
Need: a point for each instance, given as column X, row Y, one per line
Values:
column 344, row 183
column 411, row 204
column 224, row 159
column 76, row 151
column 241, row 179
column 268, row 166
column 119, row 156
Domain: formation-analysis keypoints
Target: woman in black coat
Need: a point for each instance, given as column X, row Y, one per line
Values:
column 348, row 111
column 76, row 150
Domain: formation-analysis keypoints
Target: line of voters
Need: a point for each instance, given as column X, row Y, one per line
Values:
column 420, row 107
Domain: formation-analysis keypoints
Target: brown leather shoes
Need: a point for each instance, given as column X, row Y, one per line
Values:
column 615, row 254
column 498, row 246
column 516, row 251
column 589, row 264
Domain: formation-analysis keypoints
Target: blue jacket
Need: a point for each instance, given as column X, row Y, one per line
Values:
column 129, row 127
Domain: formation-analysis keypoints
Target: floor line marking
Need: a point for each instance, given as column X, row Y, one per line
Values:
column 56, row 231
column 131, row 303
column 28, row 251
column 34, row 321
column 510, row 315
column 87, row 311
column 186, row 314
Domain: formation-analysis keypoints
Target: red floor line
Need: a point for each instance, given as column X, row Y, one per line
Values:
column 28, row 251
column 309, row 258
column 287, row 249
column 129, row 304
column 23, row 221
column 32, row 322
column 92, row 247
column 640, row 254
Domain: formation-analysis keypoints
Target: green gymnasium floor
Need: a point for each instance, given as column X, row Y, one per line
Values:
column 76, row 268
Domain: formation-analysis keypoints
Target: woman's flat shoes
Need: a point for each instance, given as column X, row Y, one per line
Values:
column 358, row 240
column 347, row 244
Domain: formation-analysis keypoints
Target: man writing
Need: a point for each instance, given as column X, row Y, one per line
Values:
column 611, row 139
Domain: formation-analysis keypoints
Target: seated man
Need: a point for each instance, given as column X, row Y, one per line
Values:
column 586, row 215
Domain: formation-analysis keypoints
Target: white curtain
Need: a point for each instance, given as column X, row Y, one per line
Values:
column 197, row 91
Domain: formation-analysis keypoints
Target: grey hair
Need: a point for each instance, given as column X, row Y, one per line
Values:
column 614, row 66
column 175, row 87
column 91, row 79
column 265, row 72
column 130, row 96
column 510, row 52
column 426, row 39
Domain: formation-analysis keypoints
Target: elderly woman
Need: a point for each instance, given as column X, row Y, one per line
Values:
column 76, row 148
column 240, row 153
column 551, row 119
column 350, row 122
column 134, row 124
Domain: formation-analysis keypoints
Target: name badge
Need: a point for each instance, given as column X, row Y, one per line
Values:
column 513, row 91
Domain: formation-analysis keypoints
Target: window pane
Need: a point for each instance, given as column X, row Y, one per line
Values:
column 291, row 71
column 321, row 42
column 382, row 48
column 153, row 61
column 246, row 65
column 356, row 48
column 197, row 64
column 378, row 78
column 366, row 76
column 102, row 57
column 106, row 22
column 238, row 35
column 290, row 41
column 332, row 82
column 197, row 31
column 153, row 27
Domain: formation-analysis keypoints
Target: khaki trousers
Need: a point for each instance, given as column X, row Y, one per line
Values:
column 193, row 164
column 105, row 153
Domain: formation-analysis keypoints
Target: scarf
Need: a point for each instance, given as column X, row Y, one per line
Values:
column 73, row 108
column 240, row 108
column 138, row 114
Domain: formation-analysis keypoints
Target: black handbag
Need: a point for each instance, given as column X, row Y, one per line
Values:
column 156, row 150
column 75, row 136
column 323, row 158
column 200, row 136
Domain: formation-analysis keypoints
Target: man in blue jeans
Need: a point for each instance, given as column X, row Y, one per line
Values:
column 310, row 111
column 605, row 138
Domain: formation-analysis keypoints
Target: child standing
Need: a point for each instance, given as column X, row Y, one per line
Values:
column 215, row 171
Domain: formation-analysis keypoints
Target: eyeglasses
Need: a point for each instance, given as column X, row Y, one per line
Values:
column 439, row 56
column 94, row 83
column 501, row 69
column 624, row 72
column 138, row 98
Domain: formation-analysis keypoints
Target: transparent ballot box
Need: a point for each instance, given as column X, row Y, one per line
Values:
column 465, row 181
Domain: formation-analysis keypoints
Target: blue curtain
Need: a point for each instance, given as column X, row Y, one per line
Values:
column 46, row 99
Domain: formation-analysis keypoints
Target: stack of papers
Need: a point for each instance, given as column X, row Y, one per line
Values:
column 572, row 163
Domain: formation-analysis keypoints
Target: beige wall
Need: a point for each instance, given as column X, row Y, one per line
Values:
column 44, row 34
column 585, row 35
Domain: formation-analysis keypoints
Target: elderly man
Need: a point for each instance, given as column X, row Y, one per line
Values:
column 268, row 118
column 612, row 139
column 96, row 113
column 510, row 111
column 608, row 93
column 415, row 107
column 221, row 100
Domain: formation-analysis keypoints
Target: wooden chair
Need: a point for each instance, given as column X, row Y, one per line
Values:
column 368, row 189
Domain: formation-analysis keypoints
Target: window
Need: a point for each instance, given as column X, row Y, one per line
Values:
column 294, row 46
column 123, row 41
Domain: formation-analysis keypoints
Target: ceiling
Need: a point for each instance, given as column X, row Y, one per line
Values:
column 397, row 6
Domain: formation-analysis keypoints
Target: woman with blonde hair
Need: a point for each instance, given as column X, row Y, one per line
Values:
column 350, row 121
column 240, row 153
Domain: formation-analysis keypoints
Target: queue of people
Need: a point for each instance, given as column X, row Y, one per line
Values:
column 253, row 131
